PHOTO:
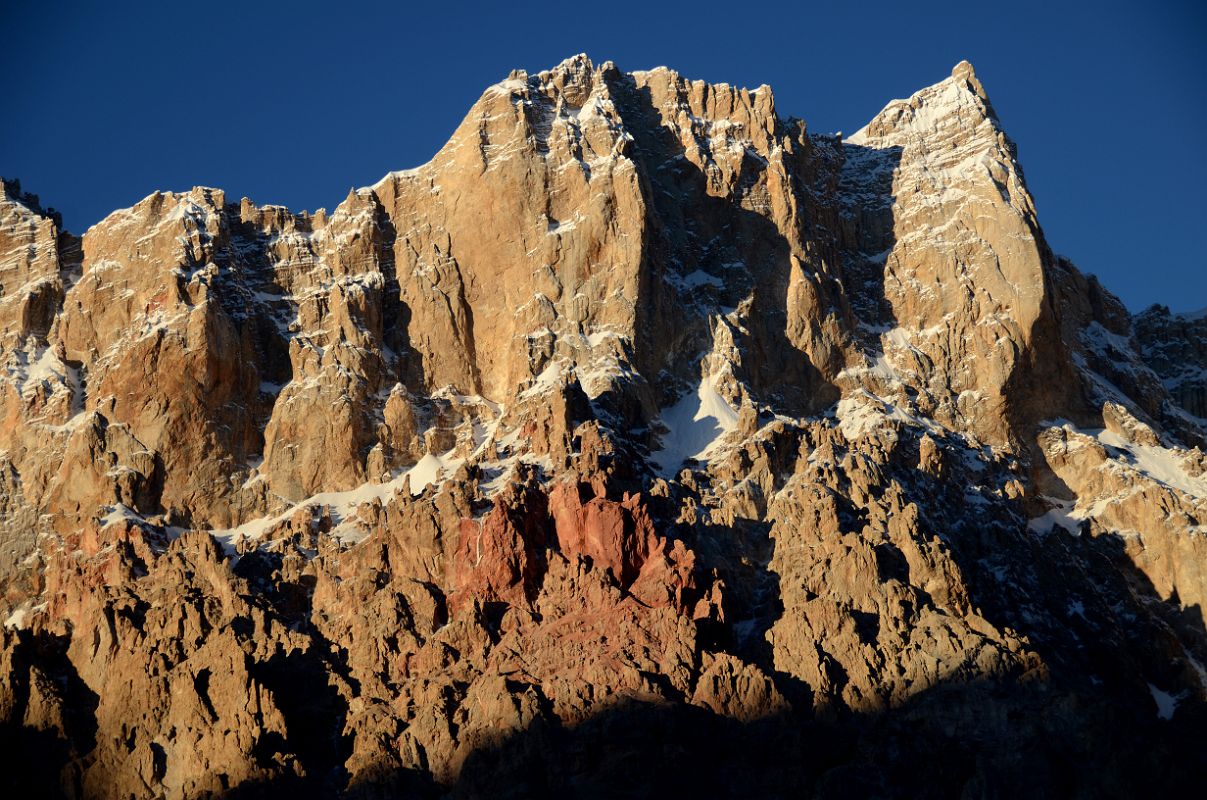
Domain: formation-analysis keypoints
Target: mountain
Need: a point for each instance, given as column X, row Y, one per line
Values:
column 643, row 442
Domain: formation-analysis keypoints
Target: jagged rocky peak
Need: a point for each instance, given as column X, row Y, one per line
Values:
column 638, row 414
column 960, row 100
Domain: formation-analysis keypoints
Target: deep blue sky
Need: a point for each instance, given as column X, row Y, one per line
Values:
column 294, row 104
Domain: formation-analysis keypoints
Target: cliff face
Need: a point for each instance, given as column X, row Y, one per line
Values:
column 640, row 428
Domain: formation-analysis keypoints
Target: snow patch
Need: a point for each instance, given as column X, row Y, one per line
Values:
column 862, row 412
column 696, row 425
column 549, row 379
column 431, row 469
column 1062, row 513
column 1161, row 464
column 16, row 620
column 120, row 512
column 1166, row 703
column 698, row 278
column 1166, row 466
column 426, row 472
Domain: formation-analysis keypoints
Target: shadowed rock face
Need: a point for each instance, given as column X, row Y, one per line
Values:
column 642, row 442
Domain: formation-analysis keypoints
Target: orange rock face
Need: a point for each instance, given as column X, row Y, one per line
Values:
column 615, row 536
column 501, row 557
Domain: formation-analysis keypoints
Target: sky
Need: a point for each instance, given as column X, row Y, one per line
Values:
column 296, row 103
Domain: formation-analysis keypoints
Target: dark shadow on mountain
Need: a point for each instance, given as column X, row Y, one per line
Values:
column 981, row 739
column 32, row 762
column 395, row 314
column 314, row 716
column 739, row 557
column 286, row 589
column 733, row 251
column 1087, row 608
column 1076, row 595
column 38, row 743
column 247, row 283
column 867, row 238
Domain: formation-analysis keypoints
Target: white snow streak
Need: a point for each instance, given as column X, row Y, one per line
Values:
column 696, row 425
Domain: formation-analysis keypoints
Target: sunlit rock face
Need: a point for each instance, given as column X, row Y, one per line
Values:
column 643, row 441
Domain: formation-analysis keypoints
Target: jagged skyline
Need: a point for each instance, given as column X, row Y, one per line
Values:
column 295, row 109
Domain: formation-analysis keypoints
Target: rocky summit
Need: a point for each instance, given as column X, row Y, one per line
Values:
column 643, row 443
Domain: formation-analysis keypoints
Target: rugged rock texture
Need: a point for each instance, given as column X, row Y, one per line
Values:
column 641, row 443
column 1173, row 345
